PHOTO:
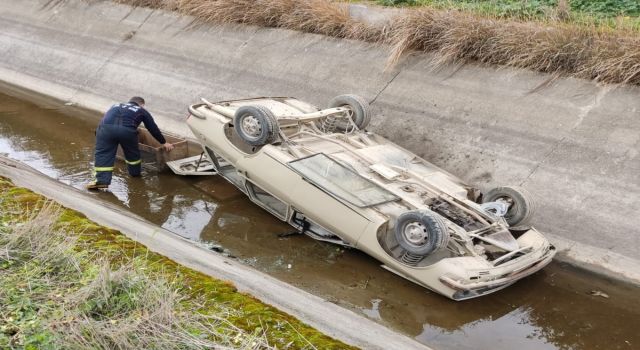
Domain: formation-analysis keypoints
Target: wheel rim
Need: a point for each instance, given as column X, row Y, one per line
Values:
column 251, row 127
column 415, row 233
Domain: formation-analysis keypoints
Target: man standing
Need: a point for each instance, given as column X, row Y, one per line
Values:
column 119, row 126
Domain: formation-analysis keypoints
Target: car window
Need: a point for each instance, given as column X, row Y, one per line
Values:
column 341, row 181
column 274, row 204
column 227, row 171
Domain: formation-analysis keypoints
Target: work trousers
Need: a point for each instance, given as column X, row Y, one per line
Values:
column 108, row 137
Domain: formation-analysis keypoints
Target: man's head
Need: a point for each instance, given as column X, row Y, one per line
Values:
column 137, row 100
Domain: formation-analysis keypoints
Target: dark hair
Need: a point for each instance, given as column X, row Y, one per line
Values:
column 137, row 100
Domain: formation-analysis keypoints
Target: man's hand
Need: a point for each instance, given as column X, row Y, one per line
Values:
column 167, row 147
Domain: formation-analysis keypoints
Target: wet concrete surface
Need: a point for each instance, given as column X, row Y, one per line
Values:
column 557, row 308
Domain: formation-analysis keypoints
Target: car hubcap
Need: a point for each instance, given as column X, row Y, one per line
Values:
column 416, row 233
column 251, row 126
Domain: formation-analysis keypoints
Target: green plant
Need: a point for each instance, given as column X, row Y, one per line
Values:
column 607, row 8
column 529, row 8
column 67, row 283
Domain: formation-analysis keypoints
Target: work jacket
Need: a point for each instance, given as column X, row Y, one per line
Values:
column 131, row 115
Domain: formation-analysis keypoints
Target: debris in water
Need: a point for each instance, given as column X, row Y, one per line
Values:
column 288, row 234
column 212, row 246
column 216, row 248
column 70, row 104
column 597, row 293
column 227, row 254
column 361, row 285
column 288, row 266
column 253, row 261
column 374, row 312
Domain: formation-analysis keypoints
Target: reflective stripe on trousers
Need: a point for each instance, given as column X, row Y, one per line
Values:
column 108, row 137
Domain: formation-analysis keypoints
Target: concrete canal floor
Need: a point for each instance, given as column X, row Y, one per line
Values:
column 557, row 308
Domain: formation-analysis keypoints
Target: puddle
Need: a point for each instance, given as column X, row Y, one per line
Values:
column 553, row 309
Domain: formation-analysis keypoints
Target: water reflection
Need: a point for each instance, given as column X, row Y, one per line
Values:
column 13, row 148
column 479, row 334
column 551, row 310
column 189, row 220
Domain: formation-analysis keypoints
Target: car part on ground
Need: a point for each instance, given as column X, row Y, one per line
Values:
column 321, row 172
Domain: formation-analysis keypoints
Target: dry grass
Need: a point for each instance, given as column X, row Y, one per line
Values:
column 452, row 36
column 312, row 16
column 33, row 239
column 558, row 49
column 126, row 309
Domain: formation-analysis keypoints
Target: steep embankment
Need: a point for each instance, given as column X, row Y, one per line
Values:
column 572, row 143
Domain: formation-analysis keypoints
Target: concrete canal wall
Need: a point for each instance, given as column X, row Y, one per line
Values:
column 573, row 144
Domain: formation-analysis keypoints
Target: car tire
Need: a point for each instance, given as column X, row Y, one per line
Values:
column 256, row 125
column 421, row 232
column 358, row 106
column 522, row 205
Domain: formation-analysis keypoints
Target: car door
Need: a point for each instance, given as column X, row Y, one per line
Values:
column 278, row 180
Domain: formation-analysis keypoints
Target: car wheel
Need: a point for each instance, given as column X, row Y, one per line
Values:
column 421, row 232
column 521, row 205
column 256, row 125
column 359, row 107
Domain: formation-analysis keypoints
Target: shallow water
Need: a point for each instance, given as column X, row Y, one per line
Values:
column 553, row 309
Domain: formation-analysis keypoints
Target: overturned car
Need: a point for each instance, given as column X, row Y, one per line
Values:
column 323, row 173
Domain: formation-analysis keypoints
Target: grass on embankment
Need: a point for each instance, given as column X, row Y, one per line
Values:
column 67, row 283
column 623, row 14
column 561, row 48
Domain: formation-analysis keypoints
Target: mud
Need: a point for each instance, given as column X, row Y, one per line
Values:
column 557, row 308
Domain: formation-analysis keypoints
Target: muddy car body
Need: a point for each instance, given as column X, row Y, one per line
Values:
column 323, row 173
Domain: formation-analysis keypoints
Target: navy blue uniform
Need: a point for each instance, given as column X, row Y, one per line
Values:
column 119, row 126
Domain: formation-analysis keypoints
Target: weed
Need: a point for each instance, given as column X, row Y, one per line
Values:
column 561, row 49
column 67, row 283
column 528, row 9
column 552, row 46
